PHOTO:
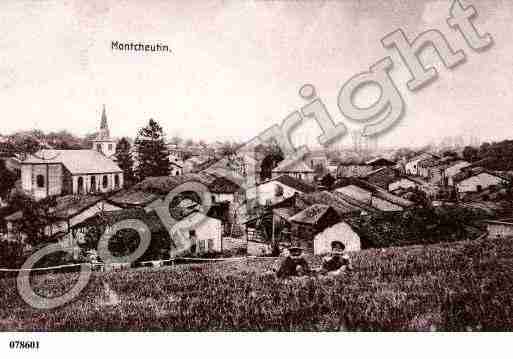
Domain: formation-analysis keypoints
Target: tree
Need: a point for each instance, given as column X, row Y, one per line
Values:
column 7, row 180
column 124, row 159
column 272, row 156
column 328, row 180
column 470, row 154
column 36, row 216
column 24, row 145
column 152, row 153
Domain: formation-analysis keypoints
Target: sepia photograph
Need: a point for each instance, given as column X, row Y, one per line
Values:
column 254, row 166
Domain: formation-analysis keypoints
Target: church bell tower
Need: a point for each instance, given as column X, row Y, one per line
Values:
column 103, row 142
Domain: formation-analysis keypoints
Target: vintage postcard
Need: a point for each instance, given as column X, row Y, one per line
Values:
column 255, row 166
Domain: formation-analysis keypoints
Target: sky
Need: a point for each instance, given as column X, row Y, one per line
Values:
column 235, row 67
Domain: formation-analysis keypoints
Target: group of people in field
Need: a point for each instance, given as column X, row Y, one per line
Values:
column 295, row 264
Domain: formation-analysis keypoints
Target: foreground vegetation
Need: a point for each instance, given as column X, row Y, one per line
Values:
column 454, row 286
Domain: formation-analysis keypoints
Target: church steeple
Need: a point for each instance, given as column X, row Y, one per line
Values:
column 103, row 142
column 104, row 126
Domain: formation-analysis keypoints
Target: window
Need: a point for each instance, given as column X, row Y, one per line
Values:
column 105, row 181
column 116, row 181
column 99, row 147
column 110, row 146
column 40, row 181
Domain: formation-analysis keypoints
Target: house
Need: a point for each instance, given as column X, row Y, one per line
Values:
column 500, row 228
column 411, row 166
column 296, row 169
column 51, row 172
column 424, row 166
column 277, row 189
column 317, row 159
column 221, row 188
column 68, row 212
column 453, row 169
column 308, row 223
column 356, row 170
column 201, row 233
column 476, row 179
column 341, row 232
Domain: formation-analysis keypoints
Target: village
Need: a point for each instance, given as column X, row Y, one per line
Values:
column 364, row 199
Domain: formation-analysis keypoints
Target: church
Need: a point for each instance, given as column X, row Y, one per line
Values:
column 52, row 172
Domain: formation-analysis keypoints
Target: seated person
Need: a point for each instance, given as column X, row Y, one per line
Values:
column 337, row 261
column 294, row 264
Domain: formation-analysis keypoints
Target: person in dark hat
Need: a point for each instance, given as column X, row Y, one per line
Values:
column 294, row 264
column 337, row 261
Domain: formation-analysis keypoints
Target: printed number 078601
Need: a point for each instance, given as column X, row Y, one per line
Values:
column 20, row 344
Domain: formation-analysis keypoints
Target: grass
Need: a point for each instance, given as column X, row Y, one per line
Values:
column 454, row 286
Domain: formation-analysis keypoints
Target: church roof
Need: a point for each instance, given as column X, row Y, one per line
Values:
column 75, row 161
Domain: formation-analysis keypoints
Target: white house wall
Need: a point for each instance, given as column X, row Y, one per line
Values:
column 266, row 191
column 341, row 232
column 484, row 180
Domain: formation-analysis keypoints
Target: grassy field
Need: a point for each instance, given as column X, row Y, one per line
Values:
column 456, row 286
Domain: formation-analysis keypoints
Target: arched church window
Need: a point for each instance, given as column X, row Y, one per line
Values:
column 105, row 181
column 93, row 184
column 40, row 181
column 116, row 181
column 80, row 185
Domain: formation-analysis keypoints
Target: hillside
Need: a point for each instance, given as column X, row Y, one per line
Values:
column 454, row 286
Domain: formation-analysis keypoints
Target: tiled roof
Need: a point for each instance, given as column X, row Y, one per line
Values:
column 311, row 214
column 71, row 205
column 164, row 185
column 132, row 197
column 76, row 161
column 293, row 166
column 329, row 199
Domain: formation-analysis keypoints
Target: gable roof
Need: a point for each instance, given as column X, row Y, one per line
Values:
column 71, row 205
column 76, row 161
column 471, row 172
